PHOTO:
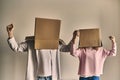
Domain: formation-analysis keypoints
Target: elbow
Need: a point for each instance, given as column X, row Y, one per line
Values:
column 114, row 54
column 14, row 49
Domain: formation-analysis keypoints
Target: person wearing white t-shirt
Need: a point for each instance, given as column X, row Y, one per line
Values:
column 42, row 64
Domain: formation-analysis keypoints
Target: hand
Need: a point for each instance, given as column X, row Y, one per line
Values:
column 76, row 33
column 10, row 29
column 112, row 38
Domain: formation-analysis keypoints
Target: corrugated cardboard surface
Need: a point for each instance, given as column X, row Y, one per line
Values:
column 90, row 38
column 47, row 33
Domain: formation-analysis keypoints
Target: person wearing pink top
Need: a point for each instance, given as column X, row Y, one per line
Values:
column 91, row 59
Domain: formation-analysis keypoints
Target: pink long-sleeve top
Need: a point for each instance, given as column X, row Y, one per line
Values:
column 91, row 61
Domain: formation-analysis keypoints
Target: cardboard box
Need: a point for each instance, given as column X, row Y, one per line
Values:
column 90, row 38
column 47, row 33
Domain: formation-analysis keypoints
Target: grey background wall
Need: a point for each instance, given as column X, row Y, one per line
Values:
column 75, row 14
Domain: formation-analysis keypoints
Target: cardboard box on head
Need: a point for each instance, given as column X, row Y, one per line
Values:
column 90, row 38
column 47, row 33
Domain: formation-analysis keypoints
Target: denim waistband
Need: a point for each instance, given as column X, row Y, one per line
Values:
column 43, row 76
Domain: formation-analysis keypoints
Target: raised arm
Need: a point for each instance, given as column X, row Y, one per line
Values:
column 113, row 50
column 66, row 47
column 12, row 42
column 74, row 51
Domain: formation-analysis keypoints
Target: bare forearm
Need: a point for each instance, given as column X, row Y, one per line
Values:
column 10, row 35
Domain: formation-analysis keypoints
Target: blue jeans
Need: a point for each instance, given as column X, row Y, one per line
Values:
column 90, row 78
column 45, row 78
